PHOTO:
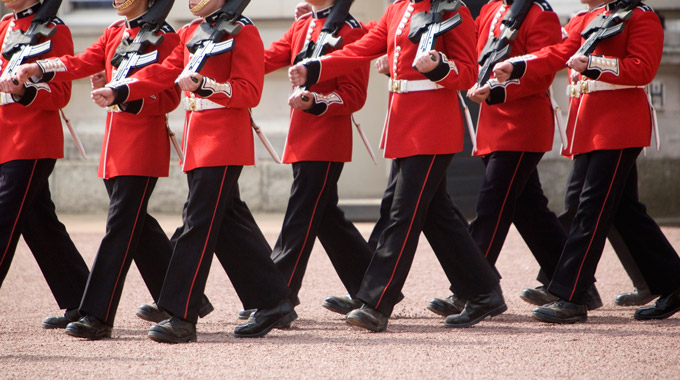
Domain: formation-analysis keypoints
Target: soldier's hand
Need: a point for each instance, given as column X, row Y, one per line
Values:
column 382, row 65
column 103, row 96
column 578, row 62
column 25, row 71
column 428, row 62
column 190, row 82
column 297, row 74
column 302, row 8
column 479, row 94
column 502, row 71
column 10, row 85
column 98, row 80
column 301, row 100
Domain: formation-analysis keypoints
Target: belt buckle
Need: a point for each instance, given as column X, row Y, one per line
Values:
column 573, row 91
column 113, row 108
column 584, row 87
column 396, row 85
column 193, row 104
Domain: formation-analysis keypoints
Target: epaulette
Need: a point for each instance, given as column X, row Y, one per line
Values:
column 57, row 21
column 117, row 23
column 243, row 20
column 352, row 22
column 167, row 28
column 645, row 7
column 6, row 17
column 544, row 5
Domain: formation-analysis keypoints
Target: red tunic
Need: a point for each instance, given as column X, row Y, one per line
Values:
column 136, row 141
column 423, row 122
column 323, row 133
column 222, row 136
column 521, row 117
column 31, row 128
column 615, row 119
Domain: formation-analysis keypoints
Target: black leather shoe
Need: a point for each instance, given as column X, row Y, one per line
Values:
column 60, row 321
column 89, row 327
column 663, row 308
column 446, row 306
column 245, row 314
column 540, row 296
column 341, row 304
column 152, row 313
column 561, row 311
column 368, row 318
column 638, row 297
column 477, row 308
column 173, row 330
column 263, row 321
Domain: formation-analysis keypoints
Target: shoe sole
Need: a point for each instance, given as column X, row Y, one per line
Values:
column 205, row 310
column 161, row 337
column 51, row 326
column 640, row 302
column 149, row 318
column 595, row 304
column 364, row 325
column 286, row 319
column 285, row 322
column 552, row 319
column 492, row 313
column 534, row 301
column 441, row 311
column 79, row 334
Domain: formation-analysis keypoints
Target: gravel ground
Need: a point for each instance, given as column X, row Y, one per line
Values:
column 322, row 346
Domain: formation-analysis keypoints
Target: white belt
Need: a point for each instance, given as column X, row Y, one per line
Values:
column 200, row 104
column 588, row 86
column 403, row 85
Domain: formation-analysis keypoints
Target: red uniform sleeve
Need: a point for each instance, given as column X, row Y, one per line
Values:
column 540, row 29
column 52, row 95
column 90, row 61
column 279, row 53
column 351, row 87
column 247, row 71
column 638, row 65
column 459, row 47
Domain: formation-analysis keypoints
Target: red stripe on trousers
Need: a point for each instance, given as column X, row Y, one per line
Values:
column 512, row 180
column 21, row 207
column 309, row 227
column 205, row 245
column 408, row 232
column 611, row 184
column 127, row 250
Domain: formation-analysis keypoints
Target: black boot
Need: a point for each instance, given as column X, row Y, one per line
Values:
column 368, row 318
column 446, row 306
column 561, row 311
column 60, row 321
column 638, row 297
column 152, row 313
column 263, row 321
column 663, row 308
column 173, row 330
column 477, row 308
column 89, row 327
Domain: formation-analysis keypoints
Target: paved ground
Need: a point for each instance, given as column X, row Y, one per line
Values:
column 322, row 346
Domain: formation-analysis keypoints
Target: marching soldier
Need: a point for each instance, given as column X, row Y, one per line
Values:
column 422, row 133
column 217, row 143
column 32, row 142
column 511, row 146
column 611, row 90
column 135, row 152
column 318, row 144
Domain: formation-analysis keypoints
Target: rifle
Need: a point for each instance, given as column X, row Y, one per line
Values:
column 427, row 26
column 129, row 54
column 205, row 41
column 498, row 48
column 603, row 27
column 21, row 46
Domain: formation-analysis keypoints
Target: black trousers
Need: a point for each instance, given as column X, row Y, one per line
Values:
column 131, row 234
column 571, row 196
column 216, row 220
column 511, row 192
column 26, row 208
column 313, row 211
column 420, row 202
column 610, row 198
